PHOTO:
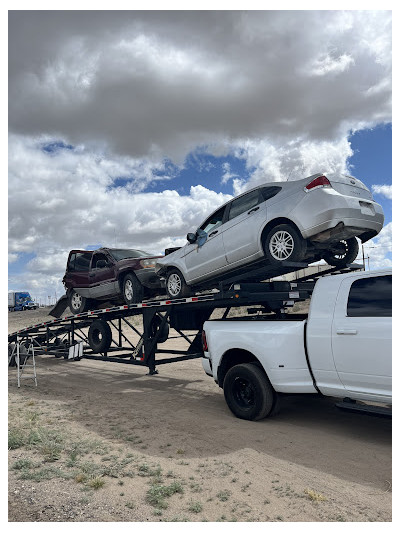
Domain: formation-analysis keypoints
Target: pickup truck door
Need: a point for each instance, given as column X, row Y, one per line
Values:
column 361, row 334
column 102, row 281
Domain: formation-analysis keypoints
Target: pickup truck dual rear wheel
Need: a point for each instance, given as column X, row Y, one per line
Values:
column 248, row 392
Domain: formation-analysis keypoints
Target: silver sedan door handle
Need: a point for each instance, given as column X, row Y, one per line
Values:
column 346, row 332
column 254, row 209
column 213, row 233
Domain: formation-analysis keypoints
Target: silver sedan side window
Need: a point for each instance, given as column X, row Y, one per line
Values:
column 244, row 203
column 214, row 221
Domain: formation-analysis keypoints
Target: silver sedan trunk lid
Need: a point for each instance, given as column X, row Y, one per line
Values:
column 350, row 186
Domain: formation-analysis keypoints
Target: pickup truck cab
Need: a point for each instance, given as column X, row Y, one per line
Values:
column 341, row 349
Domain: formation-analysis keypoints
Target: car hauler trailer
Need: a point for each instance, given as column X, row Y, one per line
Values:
column 102, row 334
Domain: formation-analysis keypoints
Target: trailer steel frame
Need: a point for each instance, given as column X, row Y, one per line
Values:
column 58, row 336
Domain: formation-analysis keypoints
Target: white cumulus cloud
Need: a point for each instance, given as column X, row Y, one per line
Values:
column 384, row 190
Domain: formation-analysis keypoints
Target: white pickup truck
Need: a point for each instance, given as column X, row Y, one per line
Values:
column 341, row 349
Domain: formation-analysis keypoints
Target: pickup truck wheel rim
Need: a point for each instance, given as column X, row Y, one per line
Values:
column 243, row 392
column 174, row 284
column 76, row 300
column 128, row 290
column 281, row 245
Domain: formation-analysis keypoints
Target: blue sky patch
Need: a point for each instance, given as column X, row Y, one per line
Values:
column 54, row 147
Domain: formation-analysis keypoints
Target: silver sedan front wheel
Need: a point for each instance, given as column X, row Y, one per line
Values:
column 176, row 285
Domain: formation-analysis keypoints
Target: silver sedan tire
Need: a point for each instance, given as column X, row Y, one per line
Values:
column 176, row 285
column 284, row 243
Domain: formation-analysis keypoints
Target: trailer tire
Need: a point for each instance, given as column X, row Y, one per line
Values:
column 11, row 355
column 23, row 354
column 164, row 331
column 99, row 336
column 58, row 342
column 248, row 392
column 132, row 289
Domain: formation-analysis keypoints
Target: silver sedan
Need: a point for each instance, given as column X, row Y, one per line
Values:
column 304, row 220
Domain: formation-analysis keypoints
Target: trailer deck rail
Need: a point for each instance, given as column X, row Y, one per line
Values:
column 102, row 334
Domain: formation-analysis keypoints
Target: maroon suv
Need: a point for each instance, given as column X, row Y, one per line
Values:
column 109, row 274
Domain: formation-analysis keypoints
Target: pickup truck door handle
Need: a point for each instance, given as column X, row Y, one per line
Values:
column 213, row 233
column 254, row 209
column 346, row 332
column 91, row 275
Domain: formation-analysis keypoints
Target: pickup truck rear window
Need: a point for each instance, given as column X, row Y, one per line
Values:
column 371, row 297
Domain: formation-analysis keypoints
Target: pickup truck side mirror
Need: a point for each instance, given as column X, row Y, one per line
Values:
column 191, row 237
column 101, row 263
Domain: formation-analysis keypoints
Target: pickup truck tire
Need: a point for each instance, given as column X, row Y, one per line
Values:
column 248, row 392
column 284, row 243
column 99, row 336
column 176, row 285
column 132, row 289
column 77, row 303
column 346, row 253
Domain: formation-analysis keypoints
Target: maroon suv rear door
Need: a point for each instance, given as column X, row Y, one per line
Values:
column 77, row 274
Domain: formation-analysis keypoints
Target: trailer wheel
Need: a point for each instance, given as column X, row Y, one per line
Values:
column 284, row 243
column 60, row 344
column 132, row 289
column 248, row 392
column 23, row 355
column 176, row 285
column 77, row 303
column 343, row 253
column 11, row 355
column 164, row 331
column 99, row 336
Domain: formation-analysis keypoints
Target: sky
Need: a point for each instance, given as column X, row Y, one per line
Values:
column 127, row 128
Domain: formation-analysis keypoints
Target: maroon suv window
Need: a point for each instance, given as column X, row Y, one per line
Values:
column 79, row 262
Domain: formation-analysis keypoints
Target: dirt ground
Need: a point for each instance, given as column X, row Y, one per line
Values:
column 105, row 442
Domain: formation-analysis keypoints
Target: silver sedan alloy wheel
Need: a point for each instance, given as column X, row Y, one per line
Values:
column 174, row 285
column 281, row 245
